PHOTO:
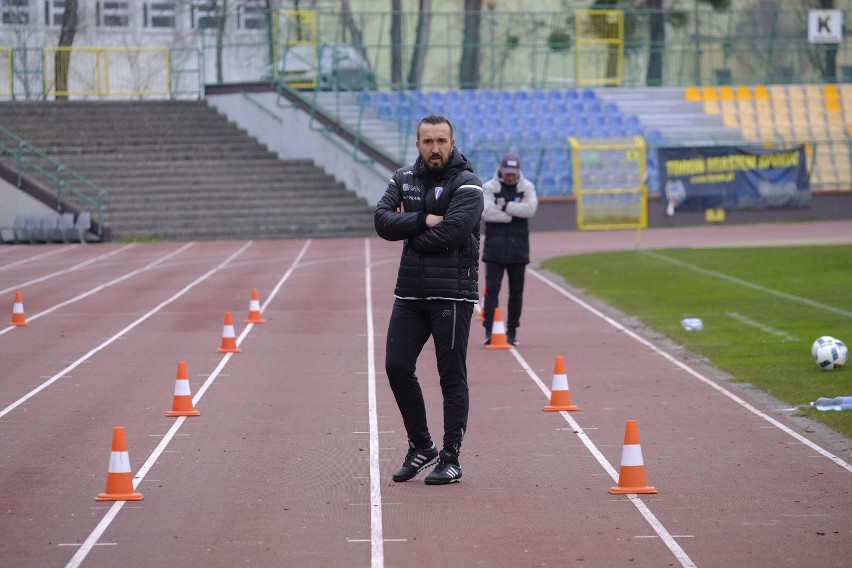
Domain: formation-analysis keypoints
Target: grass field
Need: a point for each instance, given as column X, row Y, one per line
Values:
column 762, row 308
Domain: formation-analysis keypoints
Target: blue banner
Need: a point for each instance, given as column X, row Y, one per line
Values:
column 733, row 177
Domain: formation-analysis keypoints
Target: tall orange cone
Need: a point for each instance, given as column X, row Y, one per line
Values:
column 481, row 316
column 18, row 318
column 254, row 309
column 119, row 484
column 560, row 395
column 182, row 404
column 229, row 340
column 498, row 332
column 631, row 477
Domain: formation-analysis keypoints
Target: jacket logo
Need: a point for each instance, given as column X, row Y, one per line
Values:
column 438, row 191
column 447, row 313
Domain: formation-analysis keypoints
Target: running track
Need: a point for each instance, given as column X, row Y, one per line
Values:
column 289, row 463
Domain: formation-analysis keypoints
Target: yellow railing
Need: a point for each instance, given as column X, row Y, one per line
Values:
column 295, row 50
column 106, row 71
column 599, row 55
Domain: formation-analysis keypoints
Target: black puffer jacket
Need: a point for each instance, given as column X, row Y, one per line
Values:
column 441, row 262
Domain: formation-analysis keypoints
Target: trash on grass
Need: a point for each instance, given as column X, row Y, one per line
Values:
column 837, row 403
column 692, row 323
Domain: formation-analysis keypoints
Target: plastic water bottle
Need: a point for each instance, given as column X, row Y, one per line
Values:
column 692, row 324
column 837, row 403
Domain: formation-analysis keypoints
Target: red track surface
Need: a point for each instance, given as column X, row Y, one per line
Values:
column 277, row 469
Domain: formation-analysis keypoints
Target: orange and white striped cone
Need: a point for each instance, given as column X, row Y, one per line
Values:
column 481, row 316
column 254, row 309
column 229, row 340
column 498, row 332
column 119, row 484
column 18, row 318
column 560, row 395
column 631, row 477
column 182, row 403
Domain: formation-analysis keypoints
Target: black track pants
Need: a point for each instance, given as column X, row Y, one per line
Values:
column 493, row 282
column 411, row 324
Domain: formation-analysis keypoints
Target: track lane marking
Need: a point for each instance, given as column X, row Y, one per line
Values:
column 377, row 550
column 693, row 372
column 102, row 286
column 92, row 540
column 30, row 259
column 77, row 266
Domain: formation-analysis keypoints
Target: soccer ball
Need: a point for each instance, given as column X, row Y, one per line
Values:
column 819, row 342
column 830, row 355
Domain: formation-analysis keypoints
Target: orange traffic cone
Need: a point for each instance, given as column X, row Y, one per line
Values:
column 560, row 395
column 254, row 309
column 631, row 477
column 182, row 404
column 119, row 484
column 498, row 332
column 481, row 316
column 229, row 340
column 18, row 318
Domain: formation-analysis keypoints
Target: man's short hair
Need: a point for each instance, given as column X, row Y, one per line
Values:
column 435, row 119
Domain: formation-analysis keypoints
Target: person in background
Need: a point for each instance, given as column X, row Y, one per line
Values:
column 435, row 207
column 510, row 201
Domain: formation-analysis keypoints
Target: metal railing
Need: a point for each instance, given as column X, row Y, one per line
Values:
column 69, row 187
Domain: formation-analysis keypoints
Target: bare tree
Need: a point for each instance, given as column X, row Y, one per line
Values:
column 421, row 44
column 471, row 39
column 62, row 60
column 396, row 42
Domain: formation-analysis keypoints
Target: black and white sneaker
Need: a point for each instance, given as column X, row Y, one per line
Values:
column 448, row 470
column 415, row 461
column 511, row 339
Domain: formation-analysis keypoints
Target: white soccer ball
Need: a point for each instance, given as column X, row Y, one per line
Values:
column 820, row 341
column 831, row 355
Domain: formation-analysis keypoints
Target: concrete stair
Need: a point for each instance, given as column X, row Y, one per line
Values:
column 179, row 170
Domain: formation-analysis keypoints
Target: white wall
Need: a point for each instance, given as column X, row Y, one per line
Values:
column 292, row 138
column 17, row 202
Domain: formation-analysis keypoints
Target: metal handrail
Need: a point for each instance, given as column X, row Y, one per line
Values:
column 68, row 185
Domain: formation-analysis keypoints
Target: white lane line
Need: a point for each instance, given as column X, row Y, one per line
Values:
column 102, row 286
column 753, row 286
column 92, row 539
column 31, row 259
column 377, row 550
column 655, row 524
column 694, row 373
column 761, row 326
column 67, row 270
column 119, row 335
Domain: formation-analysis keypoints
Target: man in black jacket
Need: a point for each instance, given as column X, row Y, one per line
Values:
column 434, row 207
column 510, row 201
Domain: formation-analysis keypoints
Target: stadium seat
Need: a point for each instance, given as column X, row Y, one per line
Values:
column 82, row 226
column 19, row 229
column 743, row 93
column 761, row 93
column 692, row 94
column 34, row 228
column 50, row 227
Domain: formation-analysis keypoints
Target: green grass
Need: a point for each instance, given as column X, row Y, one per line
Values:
column 762, row 308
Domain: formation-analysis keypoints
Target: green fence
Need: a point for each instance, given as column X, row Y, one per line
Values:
column 694, row 45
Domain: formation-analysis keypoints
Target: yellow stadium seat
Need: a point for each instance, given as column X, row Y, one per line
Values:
column 726, row 93
column 730, row 121
column 829, row 91
column 692, row 94
column 711, row 107
column 796, row 92
column 832, row 105
column 709, row 94
column 761, row 93
column 743, row 93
